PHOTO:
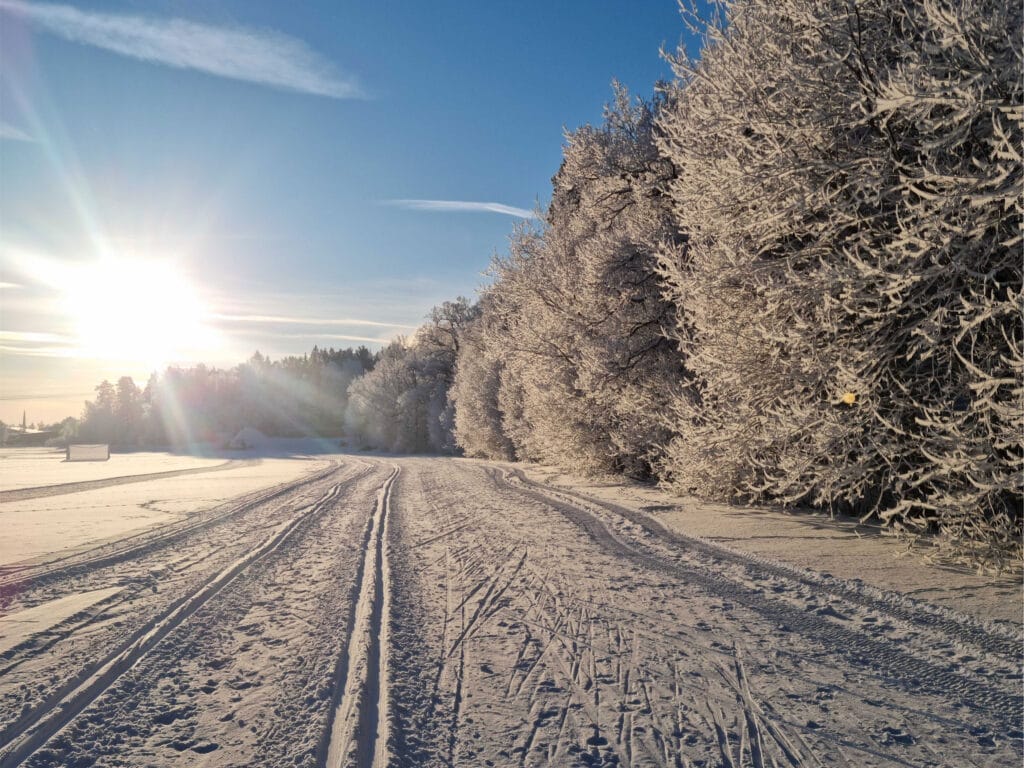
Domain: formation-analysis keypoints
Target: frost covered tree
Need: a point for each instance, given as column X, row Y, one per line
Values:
column 403, row 404
column 532, row 300
column 377, row 411
column 475, row 394
column 576, row 309
column 850, row 294
column 297, row 395
column 438, row 342
column 608, row 216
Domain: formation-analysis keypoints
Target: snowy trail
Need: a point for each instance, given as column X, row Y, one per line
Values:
column 927, row 675
column 611, row 644
column 988, row 637
column 358, row 729
column 250, row 675
column 28, row 734
column 430, row 612
column 923, row 668
column 150, row 583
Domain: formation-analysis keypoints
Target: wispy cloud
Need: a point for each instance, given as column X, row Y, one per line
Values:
column 291, row 320
column 9, row 133
column 269, row 58
column 9, row 286
column 44, row 351
column 321, row 337
column 36, row 344
column 283, row 332
column 462, row 206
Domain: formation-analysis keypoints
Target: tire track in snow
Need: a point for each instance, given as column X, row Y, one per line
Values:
column 997, row 704
column 991, row 638
column 32, row 731
column 357, row 731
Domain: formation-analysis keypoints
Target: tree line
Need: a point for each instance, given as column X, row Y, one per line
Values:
column 793, row 275
column 295, row 396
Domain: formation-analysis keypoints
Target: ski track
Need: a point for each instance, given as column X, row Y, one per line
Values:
column 153, row 576
column 14, row 578
column 25, row 494
column 413, row 611
column 358, row 726
column 29, row 733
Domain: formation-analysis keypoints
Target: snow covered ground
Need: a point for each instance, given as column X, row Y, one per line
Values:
column 62, row 522
column 35, row 467
column 842, row 547
column 429, row 611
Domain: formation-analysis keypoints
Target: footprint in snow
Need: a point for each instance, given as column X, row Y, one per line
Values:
column 828, row 610
column 897, row 736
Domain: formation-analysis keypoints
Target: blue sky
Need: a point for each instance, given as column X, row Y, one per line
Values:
column 264, row 155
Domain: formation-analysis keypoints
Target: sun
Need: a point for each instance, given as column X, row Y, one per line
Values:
column 136, row 311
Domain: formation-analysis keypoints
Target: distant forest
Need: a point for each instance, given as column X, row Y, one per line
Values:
column 294, row 396
column 793, row 275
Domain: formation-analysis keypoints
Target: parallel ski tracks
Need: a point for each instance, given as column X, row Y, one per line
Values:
column 592, row 681
column 61, row 489
column 28, row 734
column 130, row 546
column 357, row 730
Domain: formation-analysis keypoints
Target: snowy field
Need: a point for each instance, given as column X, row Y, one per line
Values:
column 36, row 467
column 368, row 610
column 54, row 524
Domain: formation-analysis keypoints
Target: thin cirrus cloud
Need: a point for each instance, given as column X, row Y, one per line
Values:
column 462, row 206
column 260, row 328
column 36, row 344
column 332, row 337
column 289, row 320
column 267, row 58
column 10, row 133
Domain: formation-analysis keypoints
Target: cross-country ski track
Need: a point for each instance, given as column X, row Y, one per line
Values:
column 22, row 494
column 407, row 611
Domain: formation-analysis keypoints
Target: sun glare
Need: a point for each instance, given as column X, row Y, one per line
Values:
column 140, row 311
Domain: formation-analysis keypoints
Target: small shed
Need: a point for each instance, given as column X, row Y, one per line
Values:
column 87, row 452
